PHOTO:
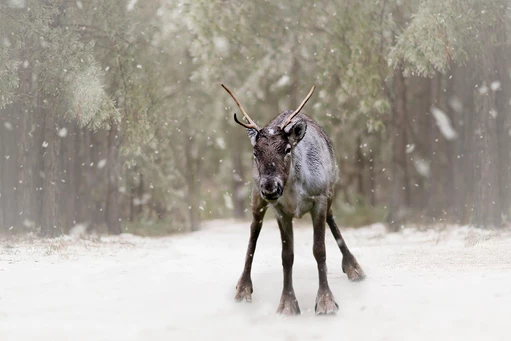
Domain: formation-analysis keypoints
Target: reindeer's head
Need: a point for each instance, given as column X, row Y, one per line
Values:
column 273, row 148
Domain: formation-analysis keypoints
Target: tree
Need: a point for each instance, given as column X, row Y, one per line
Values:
column 76, row 93
column 118, row 121
column 441, row 33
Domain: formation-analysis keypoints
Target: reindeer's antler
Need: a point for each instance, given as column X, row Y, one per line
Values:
column 286, row 122
column 252, row 124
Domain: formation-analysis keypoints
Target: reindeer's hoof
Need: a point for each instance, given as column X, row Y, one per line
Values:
column 351, row 268
column 325, row 303
column 244, row 291
column 288, row 305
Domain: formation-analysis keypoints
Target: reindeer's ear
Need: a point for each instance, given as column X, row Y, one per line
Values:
column 252, row 134
column 296, row 131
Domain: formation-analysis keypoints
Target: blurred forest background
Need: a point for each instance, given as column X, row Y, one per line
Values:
column 113, row 118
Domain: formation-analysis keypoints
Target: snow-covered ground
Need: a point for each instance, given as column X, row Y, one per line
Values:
column 438, row 284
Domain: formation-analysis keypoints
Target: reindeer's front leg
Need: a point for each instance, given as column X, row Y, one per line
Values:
column 325, row 303
column 244, row 288
column 288, row 303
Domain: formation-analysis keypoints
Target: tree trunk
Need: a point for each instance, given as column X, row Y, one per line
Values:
column 50, row 224
column 488, row 195
column 372, row 181
column 441, row 191
column 2, row 157
column 360, row 169
column 503, row 106
column 487, row 209
column 191, row 180
column 400, row 191
column 73, row 174
column 140, row 193
column 80, row 164
column 3, row 176
column 192, row 197
column 238, row 176
column 9, row 170
column 462, row 101
column 113, row 219
column 26, row 189
column 133, row 191
column 38, row 155
column 419, row 107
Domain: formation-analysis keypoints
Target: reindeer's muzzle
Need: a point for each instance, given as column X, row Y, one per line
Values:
column 271, row 188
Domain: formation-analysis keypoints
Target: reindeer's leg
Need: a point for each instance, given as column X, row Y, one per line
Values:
column 325, row 303
column 288, row 303
column 244, row 287
column 350, row 265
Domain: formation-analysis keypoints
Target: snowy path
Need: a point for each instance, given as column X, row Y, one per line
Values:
column 444, row 284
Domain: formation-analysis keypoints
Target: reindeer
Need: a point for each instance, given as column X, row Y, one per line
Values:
column 294, row 172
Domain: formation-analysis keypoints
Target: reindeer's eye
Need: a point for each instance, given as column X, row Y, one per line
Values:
column 255, row 155
column 288, row 149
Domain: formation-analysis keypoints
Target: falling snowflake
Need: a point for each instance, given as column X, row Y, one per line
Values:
column 483, row 90
column 221, row 45
column 131, row 5
column 63, row 132
column 495, row 85
column 220, row 142
column 102, row 164
column 283, row 81
column 422, row 167
column 456, row 104
column 444, row 124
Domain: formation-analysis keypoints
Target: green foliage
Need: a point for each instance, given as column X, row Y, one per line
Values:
column 359, row 215
column 87, row 102
column 153, row 228
column 68, row 73
column 154, row 71
column 442, row 32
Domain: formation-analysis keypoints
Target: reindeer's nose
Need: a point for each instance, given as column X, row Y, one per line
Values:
column 271, row 188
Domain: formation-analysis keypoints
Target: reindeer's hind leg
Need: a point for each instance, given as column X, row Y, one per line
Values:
column 325, row 302
column 244, row 287
column 350, row 265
